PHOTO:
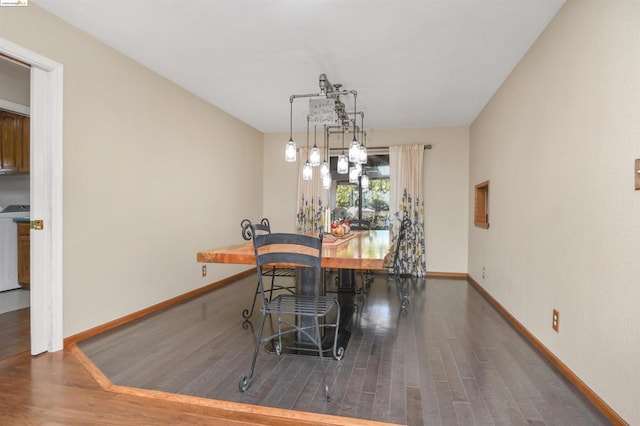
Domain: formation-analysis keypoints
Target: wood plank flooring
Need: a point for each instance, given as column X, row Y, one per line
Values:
column 14, row 331
column 450, row 359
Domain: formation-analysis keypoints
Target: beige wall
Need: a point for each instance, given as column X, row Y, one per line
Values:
column 446, row 188
column 15, row 82
column 147, row 176
column 558, row 142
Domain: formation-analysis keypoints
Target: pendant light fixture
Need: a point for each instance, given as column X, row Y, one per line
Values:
column 326, row 181
column 290, row 149
column 314, row 156
column 354, row 151
column 353, row 175
column 364, row 180
column 354, row 148
column 327, row 108
column 325, row 168
column 363, row 156
column 307, row 171
column 343, row 160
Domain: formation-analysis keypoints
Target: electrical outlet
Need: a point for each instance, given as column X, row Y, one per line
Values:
column 204, row 270
column 555, row 322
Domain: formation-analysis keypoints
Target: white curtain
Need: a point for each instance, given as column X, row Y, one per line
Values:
column 312, row 198
column 406, row 165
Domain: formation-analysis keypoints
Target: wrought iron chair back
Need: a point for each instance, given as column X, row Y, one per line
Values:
column 405, row 225
column 247, row 233
column 393, row 270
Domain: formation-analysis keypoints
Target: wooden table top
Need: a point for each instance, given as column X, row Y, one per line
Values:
column 365, row 250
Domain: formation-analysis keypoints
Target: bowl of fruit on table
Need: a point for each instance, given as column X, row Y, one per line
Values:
column 340, row 229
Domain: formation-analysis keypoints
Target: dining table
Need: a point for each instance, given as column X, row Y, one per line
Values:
column 356, row 250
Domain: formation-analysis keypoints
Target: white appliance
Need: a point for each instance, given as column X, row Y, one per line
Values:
column 9, row 245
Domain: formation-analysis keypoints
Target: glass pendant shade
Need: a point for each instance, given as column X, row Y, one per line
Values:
column 326, row 181
column 353, row 175
column 314, row 156
column 324, row 169
column 354, row 151
column 307, row 171
column 290, row 151
column 358, row 167
column 364, row 181
column 343, row 164
column 363, row 154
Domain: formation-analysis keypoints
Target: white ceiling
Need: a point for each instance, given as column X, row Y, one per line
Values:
column 414, row 63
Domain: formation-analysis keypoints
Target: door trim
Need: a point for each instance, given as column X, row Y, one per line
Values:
column 46, row 197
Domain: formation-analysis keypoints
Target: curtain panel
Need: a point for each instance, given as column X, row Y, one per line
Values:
column 312, row 198
column 406, row 176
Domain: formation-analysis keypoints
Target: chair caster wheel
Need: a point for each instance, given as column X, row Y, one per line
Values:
column 339, row 353
column 278, row 348
column 244, row 384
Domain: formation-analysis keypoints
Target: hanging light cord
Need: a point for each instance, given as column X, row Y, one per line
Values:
column 307, row 138
column 355, row 108
column 362, row 130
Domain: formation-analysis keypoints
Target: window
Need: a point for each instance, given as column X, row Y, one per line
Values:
column 346, row 196
column 481, row 218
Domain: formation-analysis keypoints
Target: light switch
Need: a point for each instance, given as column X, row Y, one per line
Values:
column 636, row 171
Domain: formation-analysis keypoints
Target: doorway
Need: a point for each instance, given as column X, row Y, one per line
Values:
column 46, row 196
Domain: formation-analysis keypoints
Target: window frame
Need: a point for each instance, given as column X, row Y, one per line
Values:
column 356, row 188
column 481, row 210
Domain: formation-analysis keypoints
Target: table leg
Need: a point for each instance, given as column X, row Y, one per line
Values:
column 306, row 285
column 346, row 280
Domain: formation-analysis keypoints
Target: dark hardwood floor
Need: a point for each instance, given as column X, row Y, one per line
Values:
column 450, row 359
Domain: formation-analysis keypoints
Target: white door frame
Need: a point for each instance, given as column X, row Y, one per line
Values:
column 46, row 197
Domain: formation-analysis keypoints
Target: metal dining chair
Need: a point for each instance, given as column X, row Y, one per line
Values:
column 247, row 234
column 306, row 316
column 402, row 279
column 359, row 224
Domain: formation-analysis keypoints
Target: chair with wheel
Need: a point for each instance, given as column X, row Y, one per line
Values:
column 305, row 316
column 273, row 273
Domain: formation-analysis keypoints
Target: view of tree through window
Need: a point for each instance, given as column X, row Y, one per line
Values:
column 345, row 196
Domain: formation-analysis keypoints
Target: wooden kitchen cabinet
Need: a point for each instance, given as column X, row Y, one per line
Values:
column 24, row 254
column 25, row 153
column 14, row 143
